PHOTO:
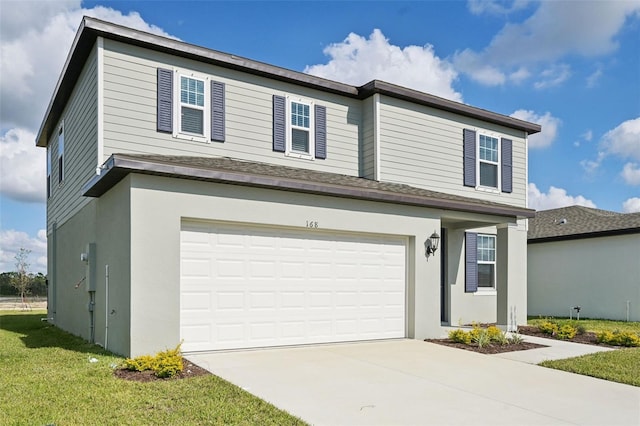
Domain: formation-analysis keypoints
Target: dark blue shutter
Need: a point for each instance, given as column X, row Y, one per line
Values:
column 217, row 111
column 320, row 114
column 471, row 262
column 279, row 123
column 507, row 165
column 469, row 147
column 165, row 100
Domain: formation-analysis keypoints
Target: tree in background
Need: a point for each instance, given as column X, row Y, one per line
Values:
column 21, row 280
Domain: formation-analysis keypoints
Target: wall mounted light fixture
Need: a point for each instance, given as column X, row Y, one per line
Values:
column 431, row 245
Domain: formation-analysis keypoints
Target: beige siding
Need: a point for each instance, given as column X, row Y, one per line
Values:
column 368, row 139
column 422, row 146
column 130, row 113
column 80, row 147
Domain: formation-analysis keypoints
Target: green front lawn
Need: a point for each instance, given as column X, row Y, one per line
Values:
column 622, row 365
column 46, row 378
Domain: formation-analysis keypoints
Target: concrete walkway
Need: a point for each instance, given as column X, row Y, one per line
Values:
column 410, row 382
column 556, row 349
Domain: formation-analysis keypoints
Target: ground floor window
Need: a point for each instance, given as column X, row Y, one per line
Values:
column 486, row 261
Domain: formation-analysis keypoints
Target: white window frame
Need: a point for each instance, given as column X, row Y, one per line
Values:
column 289, row 151
column 479, row 186
column 61, row 157
column 177, row 107
column 491, row 289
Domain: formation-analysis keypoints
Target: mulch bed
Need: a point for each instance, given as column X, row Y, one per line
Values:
column 189, row 370
column 587, row 338
column 489, row 349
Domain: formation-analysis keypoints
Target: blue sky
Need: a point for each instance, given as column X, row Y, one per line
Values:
column 572, row 66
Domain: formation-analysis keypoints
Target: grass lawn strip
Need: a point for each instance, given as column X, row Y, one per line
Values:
column 622, row 365
column 46, row 378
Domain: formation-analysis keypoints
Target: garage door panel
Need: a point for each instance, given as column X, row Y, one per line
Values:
column 244, row 286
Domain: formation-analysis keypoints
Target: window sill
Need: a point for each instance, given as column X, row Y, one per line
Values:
column 487, row 189
column 193, row 138
column 486, row 292
column 299, row 155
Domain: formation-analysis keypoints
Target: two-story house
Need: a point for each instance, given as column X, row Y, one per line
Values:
column 202, row 197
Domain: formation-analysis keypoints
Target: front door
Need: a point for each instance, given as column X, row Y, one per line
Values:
column 444, row 317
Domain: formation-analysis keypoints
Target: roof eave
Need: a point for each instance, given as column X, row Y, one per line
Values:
column 584, row 235
column 118, row 166
column 91, row 28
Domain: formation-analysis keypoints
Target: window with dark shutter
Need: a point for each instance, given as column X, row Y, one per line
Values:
column 279, row 123
column 469, row 148
column 217, row 111
column 321, row 131
column 471, row 262
column 165, row 101
column 507, row 165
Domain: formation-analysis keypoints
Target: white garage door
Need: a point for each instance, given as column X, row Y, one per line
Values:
column 244, row 286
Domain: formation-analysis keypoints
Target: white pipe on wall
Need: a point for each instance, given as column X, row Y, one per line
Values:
column 106, row 306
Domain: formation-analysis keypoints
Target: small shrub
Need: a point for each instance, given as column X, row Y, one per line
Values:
column 501, row 338
column 169, row 362
column 164, row 364
column 605, row 337
column 516, row 338
column 495, row 333
column 481, row 337
column 581, row 329
column 619, row 338
column 548, row 327
column 460, row 336
column 566, row 332
column 141, row 363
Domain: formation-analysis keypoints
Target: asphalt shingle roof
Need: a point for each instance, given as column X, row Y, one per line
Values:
column 580, row 222
column 240, row 172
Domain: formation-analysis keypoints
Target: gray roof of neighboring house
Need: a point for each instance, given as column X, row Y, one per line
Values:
column 568, row 223
column 90, row 29
column 246, row 173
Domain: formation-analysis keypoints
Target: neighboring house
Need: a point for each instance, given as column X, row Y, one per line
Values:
column 587, row 258
column 199, row 196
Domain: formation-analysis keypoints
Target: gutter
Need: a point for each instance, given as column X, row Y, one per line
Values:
column 118, row 166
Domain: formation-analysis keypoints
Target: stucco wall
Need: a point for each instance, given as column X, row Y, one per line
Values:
column 598, row 274
column 159, row 204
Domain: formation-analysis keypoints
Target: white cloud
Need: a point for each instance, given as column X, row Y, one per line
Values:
column 553, row 76
column 549, row 125
column 588, row 136
column 555, row 29
column 493, row 7
column 35, row 37
column 624, row 140
column 631, row 173
column 22, row 167
column 520, row 75
column 592, row 80
column 632, row 205
column 554, row 198
column 358, row 60
column 11, row 241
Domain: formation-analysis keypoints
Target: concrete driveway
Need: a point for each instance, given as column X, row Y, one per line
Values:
column 410, row 382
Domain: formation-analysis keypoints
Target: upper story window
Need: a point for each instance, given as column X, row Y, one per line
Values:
column 488, row 161
column 192, row 107
column 299, row 128
column 300, row 140
column 61, row 153
column 486, row 261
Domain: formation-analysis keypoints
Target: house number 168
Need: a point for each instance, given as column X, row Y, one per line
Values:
column 312, row 224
